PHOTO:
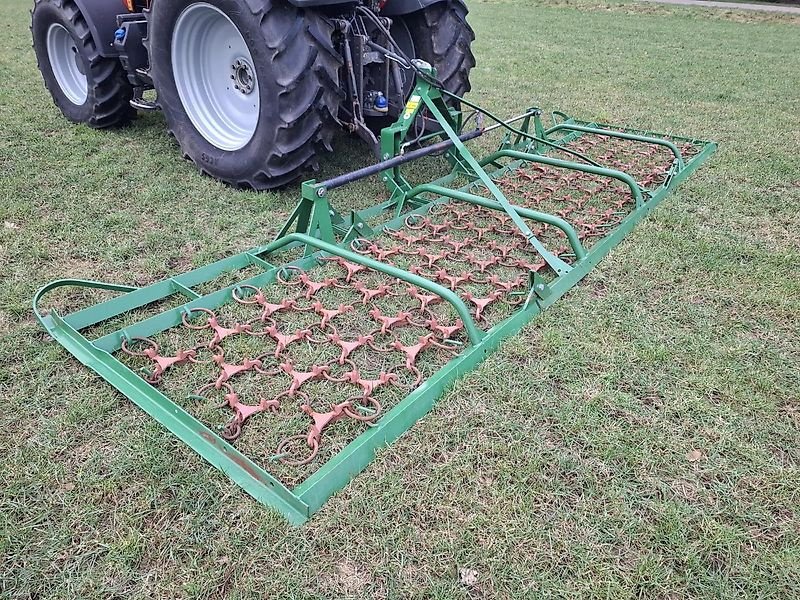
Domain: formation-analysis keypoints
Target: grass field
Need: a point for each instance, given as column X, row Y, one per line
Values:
column 563, row 467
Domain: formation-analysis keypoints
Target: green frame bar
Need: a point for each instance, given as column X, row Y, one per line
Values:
column 298, row 504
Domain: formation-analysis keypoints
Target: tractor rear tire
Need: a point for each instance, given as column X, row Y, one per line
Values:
column 248, row 87
column 86, row 87
column 442, row 37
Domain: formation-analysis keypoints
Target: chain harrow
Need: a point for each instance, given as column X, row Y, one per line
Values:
column 476, row 252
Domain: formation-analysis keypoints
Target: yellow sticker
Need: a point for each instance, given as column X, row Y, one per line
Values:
column 411, row 106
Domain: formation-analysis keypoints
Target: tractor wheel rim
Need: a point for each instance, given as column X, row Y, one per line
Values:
column 67, row 65
column 215, row 78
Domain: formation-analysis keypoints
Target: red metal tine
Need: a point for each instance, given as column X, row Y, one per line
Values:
column 228, row 370
column 283, row 340
column 456, row 245
column 530, row 266
column 388, row 322
column 482, row 303
column 322, row 420
column 329, row 314
column 349, row 347
column 351, row 268
column 425, row 300
column 220, row 332
column 444, row 331
column 382, row 254
column 437, row 228
column 430, row 257
column 365, row 246
column 258, row 297
column 368, row 294
column 412, row 351
column 482, row 264
column 452, row 280
column 233, row 428
column 312, row 287
column 299, row 378
column 481, row 231
column 504, row 249
column 160, row 363
column 271, row 308
column 368, row 386
column 397, row 234
column 313, row 439
column 507, row 286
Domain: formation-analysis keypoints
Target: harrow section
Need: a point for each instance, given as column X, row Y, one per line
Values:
column 289, row 380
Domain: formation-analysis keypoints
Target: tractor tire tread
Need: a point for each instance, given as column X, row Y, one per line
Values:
column 443, row 37
column 110, row 91
column 307, row 101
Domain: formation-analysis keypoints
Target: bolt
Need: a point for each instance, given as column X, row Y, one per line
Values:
column 321, row 192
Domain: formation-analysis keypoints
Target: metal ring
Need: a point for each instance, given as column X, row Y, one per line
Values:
column 232, row 429
column 279, row 275
column 358, row 417
column 241, row 300
column 299, row 462
column 397, row 370
column 188, row 314
column 438, row 208
column 259, row 320
column 200, row 392
column 332, row 379
column 356, row 245
column 268, row 372
column 416, row 218
column 124, row 346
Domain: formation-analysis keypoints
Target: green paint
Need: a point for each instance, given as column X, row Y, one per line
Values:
column 320, row 230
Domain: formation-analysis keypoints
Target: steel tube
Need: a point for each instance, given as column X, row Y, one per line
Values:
column 622, row 135
column 475, row 335
column 341, row 180
column 565, row 164
column 527, row 213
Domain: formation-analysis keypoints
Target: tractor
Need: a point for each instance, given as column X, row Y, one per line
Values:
column 252, row 90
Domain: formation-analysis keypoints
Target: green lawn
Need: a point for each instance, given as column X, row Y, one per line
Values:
column 559, row 468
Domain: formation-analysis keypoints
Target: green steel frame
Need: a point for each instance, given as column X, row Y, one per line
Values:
column 320, row 230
